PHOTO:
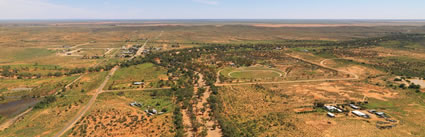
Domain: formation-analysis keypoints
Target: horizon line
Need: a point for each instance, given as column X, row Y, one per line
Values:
column 209, row 19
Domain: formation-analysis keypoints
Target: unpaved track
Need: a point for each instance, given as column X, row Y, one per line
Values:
column 141, row 49
column 82, row 112
column 274, row 71
column 322, row 64
column 142, row 89
column 11, row 121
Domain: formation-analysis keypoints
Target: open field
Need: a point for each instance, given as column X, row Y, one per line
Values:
column 149, row 73
column 251, row 72
column 258, row 78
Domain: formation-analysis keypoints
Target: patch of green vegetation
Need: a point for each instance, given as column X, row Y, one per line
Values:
column 47, row 120
column 251, row 72
column 29, row 53
column 158, row 99
column 402, row 65
column 148, row 73
column 45, row 102
column 3, row 89
column 404, row 44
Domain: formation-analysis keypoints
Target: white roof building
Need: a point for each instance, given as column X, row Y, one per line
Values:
column 354, row 106
column 360, row 114
column 333, row 109
column 330, row 115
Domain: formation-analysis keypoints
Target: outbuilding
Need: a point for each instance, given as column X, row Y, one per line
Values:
column 354, row 106
column 360, row 114
column 381, row 114
column 333, row 109
column 138, row 83
column 330, row 115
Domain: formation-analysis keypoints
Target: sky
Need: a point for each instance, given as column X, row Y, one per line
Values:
column 212, row 9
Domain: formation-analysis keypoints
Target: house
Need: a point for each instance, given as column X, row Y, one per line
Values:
column 330, row 115
column 354, row 106
column 232, row 64
column 360, row 114
column 333, row 109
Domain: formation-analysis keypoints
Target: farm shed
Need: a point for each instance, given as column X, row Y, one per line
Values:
column 360, row 114
column 330, row 115
column 138, row 83
column 354, row 106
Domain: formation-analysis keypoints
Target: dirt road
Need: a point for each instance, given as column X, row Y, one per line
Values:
column 82, row 112
column 143, row 89
column 11, row 121
column 141, row 49
column 322, row 63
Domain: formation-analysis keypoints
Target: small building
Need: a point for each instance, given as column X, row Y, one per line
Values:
column 135, row 104
column 354, row 106
column 331, row 115
column 372, row 111
column 381, row 114
column 69, row 53
column 232, row 64
column 154, row 111
column 138, row 83
column 360, row 114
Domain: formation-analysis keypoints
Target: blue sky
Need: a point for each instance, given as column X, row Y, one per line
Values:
column 212, row 9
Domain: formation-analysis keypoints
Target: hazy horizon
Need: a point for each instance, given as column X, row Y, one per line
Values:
column 210, row 9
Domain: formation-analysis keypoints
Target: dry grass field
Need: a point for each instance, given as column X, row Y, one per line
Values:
column 233, row 78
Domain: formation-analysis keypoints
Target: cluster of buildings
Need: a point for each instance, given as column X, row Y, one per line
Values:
column 356, row 111
column 150, row 112
column 334, row 109
column 127, row 52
